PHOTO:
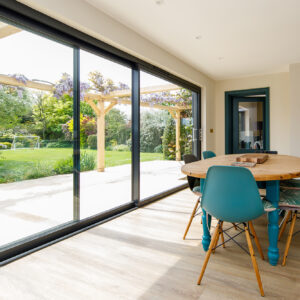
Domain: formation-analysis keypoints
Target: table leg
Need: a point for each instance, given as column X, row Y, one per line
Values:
column 206, row 221
column 273, row 194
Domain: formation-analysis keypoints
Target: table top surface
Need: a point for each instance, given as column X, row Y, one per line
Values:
column 277, row 167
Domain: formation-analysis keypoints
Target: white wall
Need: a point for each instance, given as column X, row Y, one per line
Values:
column 279, row 108
column 84, row 17
column 295, row 109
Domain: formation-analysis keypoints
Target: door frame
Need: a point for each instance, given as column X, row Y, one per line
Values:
column 229, row 95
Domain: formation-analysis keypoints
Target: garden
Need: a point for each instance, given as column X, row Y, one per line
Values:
column 36, row 128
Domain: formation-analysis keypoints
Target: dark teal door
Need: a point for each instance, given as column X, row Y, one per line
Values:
column 248, row 130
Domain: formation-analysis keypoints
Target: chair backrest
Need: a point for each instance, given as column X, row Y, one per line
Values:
column 188, row 158
column 231, row 194
column 208, row 154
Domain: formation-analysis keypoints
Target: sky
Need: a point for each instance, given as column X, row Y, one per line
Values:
column 39, row 58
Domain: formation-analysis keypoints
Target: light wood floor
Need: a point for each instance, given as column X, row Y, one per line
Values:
column 141, row 255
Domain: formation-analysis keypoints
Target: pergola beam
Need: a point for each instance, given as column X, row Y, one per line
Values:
column 8, row 80
column 7, row 30
column 145, row 90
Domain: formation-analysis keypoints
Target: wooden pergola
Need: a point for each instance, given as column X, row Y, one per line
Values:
column 102, row 104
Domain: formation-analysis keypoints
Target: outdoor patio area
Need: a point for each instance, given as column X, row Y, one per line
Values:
column 30, row 206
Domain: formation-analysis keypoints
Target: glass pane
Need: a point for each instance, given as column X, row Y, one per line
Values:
column 166, row 134
column 251, row 125
column 105, row 135
column 36, row 189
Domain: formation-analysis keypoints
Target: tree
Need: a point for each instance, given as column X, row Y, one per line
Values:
column 169, row 138
column 168, row 141
column 152, row 128
column 50, row 113
column 117, row 127
column 40, row 115
column 15, row 109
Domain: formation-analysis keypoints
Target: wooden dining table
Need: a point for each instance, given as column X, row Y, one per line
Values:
column 275, row 169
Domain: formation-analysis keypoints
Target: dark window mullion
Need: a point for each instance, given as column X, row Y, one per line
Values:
column 196, row 113
column 135, row 134
column 76, row 134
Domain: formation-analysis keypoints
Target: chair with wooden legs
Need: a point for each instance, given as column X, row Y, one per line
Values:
column 194, row 185
column 236, row 200
column 289, row 202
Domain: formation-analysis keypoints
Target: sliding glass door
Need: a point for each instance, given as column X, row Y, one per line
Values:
column 35, row 191
column 105, row 134
column 165, row 134
column 84, row 134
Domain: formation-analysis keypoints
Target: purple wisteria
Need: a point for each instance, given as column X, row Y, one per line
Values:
column 19, row 89
column 105, row 86
column 20, row 77
column 65, row 86
column 165, row 98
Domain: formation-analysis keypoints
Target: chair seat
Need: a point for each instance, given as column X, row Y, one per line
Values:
column 268, row 206
column 289, row 198
column 197, row 190
column 292, row 183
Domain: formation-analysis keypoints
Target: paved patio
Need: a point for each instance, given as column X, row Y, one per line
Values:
column 30, row 206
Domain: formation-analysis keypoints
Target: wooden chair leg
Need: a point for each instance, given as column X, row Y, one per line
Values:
column 217, row 239
column 254, row 263
column 234, row 226
column 283, row 226
column 191, row 218
column 222, row 235
column 256, row 240
column 288, row 243
column 212, row 243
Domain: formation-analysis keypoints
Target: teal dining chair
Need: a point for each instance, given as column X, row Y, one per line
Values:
column 290, row 203
column 208, row 154
column 231, row 195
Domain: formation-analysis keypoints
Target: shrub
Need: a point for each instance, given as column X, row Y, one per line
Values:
column 158, row 149
column 59, row 144
column 19, row 145
column 87, row 161
column 92, row 141
column 152, row 128
column 7, row 144
column 6, row 139
column 121, row 147
column 168, row 141
column 64, row 166
column 39, row 170
column 2, row 146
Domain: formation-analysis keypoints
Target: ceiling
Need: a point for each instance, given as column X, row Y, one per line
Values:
column 222, row 38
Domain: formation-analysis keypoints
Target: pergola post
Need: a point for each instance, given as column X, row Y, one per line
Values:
column 177, row 119
column 101, row 137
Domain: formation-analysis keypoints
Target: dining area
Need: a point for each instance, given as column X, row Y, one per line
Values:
column 235, row 191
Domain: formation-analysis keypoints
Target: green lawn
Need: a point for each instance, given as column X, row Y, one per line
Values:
column 15, row 163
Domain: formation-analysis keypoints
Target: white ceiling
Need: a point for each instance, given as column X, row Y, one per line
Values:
column 236, row 37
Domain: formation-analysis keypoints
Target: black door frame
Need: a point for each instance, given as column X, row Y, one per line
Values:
column 229, row 96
